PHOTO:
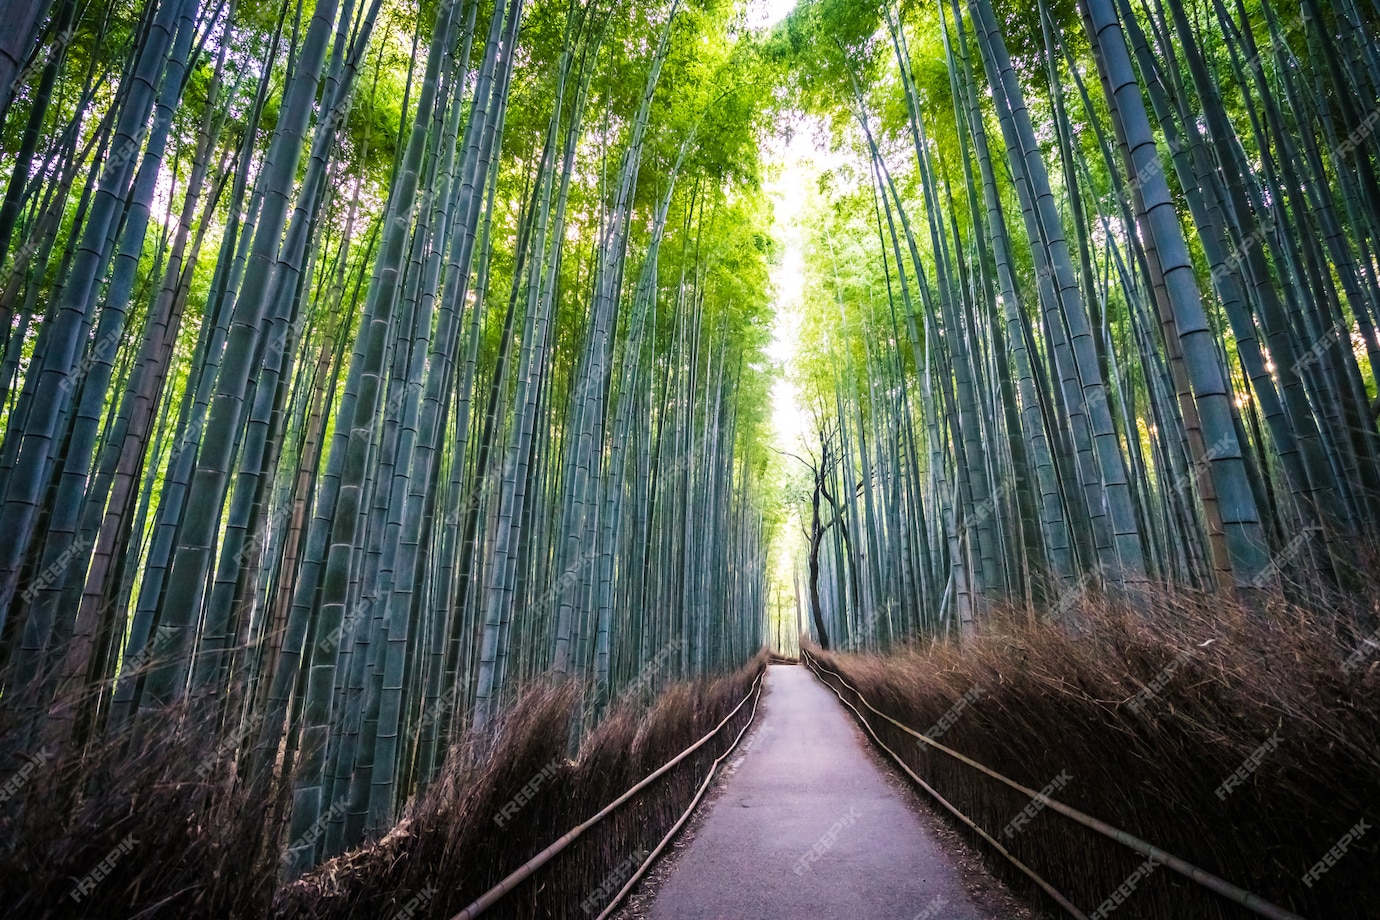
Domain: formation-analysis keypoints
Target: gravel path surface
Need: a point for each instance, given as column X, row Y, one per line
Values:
column 809, row 826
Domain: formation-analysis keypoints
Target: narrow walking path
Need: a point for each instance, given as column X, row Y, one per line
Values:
column 808, row 827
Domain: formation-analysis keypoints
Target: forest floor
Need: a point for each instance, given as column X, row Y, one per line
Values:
column 808, row 823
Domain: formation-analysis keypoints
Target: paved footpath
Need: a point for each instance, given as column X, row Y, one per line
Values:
column 809, row 829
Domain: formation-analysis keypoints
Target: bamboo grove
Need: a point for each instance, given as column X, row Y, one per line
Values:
column 364, row 361
column 1091, row 305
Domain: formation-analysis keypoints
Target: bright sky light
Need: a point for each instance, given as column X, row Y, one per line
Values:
column 795, row 173
column 786, row 191
column 763, row 14
column 798, row 163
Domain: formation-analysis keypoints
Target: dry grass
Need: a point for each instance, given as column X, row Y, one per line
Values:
column 196, row 842
column 451, row 841
column 1053, row 702
column 173, row 843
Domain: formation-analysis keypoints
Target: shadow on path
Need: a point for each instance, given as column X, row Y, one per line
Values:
column 808, row 827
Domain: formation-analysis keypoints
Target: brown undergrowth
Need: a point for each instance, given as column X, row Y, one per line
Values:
column 451, row 841
column 154, row 834
column 128, row 829
column 1138, row 717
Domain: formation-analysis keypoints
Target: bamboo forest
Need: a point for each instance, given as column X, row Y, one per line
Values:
column 446, row 446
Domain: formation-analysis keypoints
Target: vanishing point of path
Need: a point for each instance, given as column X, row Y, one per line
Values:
column 808, row 827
